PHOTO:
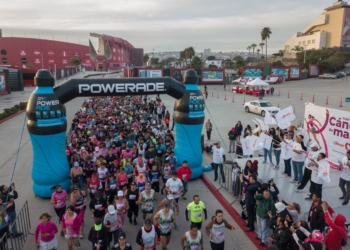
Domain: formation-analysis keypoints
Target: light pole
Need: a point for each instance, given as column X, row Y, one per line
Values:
column 305, row 47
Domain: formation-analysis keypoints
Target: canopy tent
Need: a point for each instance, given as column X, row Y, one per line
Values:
column 257, row 82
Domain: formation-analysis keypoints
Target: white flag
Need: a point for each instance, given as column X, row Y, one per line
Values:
column 262, row 124
column 265, row 141
column 246, row 147
column 254, row 142
column 284, row 125
column 269, row 119
column 285, row 115
column 286, row 151
column 323, row 171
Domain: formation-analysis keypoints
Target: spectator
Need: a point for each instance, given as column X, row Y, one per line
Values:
column 268, row 152
column 248, row 165
column 248, row 130
column 238, row 130
column 232, row 138
column 281, row 211
column 287, row 161
column 208, row 128
column 316, row 214
column 185, row 174
column 265, row 204
column 218, row 159
column 344, row 179
column 255, row 167
column 273, row 189
column 309, row 241
column 282, row 236
column 276, row 145
column 4, row 226
column 294, row 211
column 298, row 159
column 250, row 186
column 235, row 170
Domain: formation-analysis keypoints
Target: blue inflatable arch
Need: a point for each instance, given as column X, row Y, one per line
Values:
column 47, row 123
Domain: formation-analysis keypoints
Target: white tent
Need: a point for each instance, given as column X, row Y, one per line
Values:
column 257, row 82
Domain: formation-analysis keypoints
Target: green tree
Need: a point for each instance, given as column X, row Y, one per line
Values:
column 196, row 63
column 145, row 58
column 281, row 53
column 278, row 64
column 189, row 53
column 253, row 47
column 154, row 61
column 258, row 51
column 212, row 66
column 211, row 58
column 238, row 64
column 262, row 48
column 297, row 48
column 265, row 34
column 75, row 61
column 249, row 48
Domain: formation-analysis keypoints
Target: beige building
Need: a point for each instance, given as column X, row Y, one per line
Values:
column 330, row 29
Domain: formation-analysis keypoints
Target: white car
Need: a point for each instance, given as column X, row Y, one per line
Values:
column 327, row 76
column 260, row 108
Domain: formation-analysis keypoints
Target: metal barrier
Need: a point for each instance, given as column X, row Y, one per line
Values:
column 229, row 184
column 23, row 226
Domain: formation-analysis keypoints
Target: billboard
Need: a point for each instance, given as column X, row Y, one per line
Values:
column 212, row 75
column 253, row 72
column 294, row 72
column 178, row 74
column 314, row 70
column 329, row 128
column 281, row 71
column 346, row 28
column 3, row 85
column 150, row 73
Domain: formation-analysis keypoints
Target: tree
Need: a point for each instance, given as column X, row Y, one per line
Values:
column 253, row 47
column 211, row 58
column 278, row 63
column 75, row 60
column 212, row 66
column 154, row 61
column 265, row 34
column 297, row 48
column 228, row 64
column 262, row 48
column 196, row 63
column 189, row 53
column 281, row 53
column 133, row 62
column 145, row 58
column 239, row 63
column 258, row 50
column 249, row 48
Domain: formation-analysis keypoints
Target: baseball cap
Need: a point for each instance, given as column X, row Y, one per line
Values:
column 115, row 161
column 76, row 187
column 98, row 225
column 174, row 173
column 98, row 195
column 82, row 148
column 122, row 235
column 232, row 128
column 170, row 197
column 97, row 149
column 111, row 209
column 120, row 193
column 76, row 164
column 132, row 184
column 148, row 222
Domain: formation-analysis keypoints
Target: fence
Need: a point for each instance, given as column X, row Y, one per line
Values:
column 234, row 187
column 22, row 225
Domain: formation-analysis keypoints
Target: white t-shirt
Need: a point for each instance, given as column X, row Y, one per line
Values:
column 311, row 155
column 174, row 186
column 218, row 155
column 322, row 166
column 345, row 175
column 298, row 157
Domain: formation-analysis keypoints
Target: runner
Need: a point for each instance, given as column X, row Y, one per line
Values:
column 103, row 173
column 47, row 230
column 88, row 169
column 129, row 170
column 147, row 199
column 141, row 167
column 141, row 182
column 192, row 239
column 122, row 206
column 174, row 186
column 196, row 207
column 153, row 177
column 122, row 244
column 112, row 224
column 94, row 186
column 160, row 151
column 76, row 174
column 71, row 225
column 217, row 226
column 132, row 197
column 165, row 218
column 98, row 206
column 166, row 174
column 185, row 174
column 122, row 180
column 148, row 236
column 78, row 199
column 111, row 189
column 172, row 160
column 150, row 156
column 58, row 199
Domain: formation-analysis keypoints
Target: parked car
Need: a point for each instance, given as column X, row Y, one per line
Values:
column 339, row 75
column 261, row 107
column 327, row 76
column 342, row 73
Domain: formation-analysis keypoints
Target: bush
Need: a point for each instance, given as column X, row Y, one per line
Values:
column 13, row 110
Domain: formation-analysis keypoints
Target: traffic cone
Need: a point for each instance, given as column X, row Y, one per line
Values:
column 313, row 98
column 279, row 92
column 225, row 96
column 327, row 100
column 243, row 100
column 341, row 102
column 233, row 98
column 288, row 94
column 301, row 96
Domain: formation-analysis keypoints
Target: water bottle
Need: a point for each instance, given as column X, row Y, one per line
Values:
column 189, row 119
column 47, row 126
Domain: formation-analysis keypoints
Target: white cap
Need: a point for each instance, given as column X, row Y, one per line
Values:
column 82, row 148
column 97, row 149
column 76, row 164
column 120, row 193
column 280, row 207
column 314, row 145
column 111, row 209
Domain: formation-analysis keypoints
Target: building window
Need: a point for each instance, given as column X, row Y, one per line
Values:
column 309, row 42
column 299, row 43
column 313, row 41
column 3, row 52
column 304, row 43
column 24, row 60
column 4, row 60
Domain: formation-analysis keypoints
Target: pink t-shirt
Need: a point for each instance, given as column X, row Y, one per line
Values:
column 76, row 170
column 59, row 197
column 69, row 224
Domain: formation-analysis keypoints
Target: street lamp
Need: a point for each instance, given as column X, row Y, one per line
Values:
column 305, row 47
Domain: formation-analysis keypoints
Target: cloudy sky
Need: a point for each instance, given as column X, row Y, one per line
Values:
column 222, row 25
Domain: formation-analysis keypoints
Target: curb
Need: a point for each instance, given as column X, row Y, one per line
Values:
column 234, row 214
column 12, row 116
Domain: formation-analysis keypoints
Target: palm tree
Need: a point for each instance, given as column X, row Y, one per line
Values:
column 253, row 47
column 249, row 48
column 262, row 47
column 258, row 50
column 281, row 53
column 265, row 34
column 189, row 53
column 297, row 48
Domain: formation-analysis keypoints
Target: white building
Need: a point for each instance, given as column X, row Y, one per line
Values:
column 217, row 63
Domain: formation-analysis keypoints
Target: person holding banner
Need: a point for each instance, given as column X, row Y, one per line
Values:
column 298, row 159
column 344, row 179
column 286, row 154
column 271, row 133
column 312, row 155
column 320, row 174
column 276, row 144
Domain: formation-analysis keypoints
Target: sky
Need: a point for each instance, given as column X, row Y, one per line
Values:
column 162, row 25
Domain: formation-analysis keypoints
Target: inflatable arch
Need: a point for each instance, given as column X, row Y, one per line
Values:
column 47, row 121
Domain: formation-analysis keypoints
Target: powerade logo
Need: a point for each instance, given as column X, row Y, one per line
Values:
column 42, row 104
column 98, row 88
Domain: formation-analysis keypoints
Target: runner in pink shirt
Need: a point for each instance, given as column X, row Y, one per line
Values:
column 58, row 199
column 47, row 230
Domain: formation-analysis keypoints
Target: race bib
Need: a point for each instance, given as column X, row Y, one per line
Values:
column 198, row 215
column 129, row 175
column 59, row 204
column 69, row 231
column 159, row 151
column 155, row 180
column 122, row 183
column 184, row 176
column 112, row 186
column 132, row 197
column 151, row 160
column 93, row 191
column 98, row 206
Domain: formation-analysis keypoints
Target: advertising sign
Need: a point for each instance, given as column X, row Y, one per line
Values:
column 280, row 71
column 330, row 129
column 37, row 60
column 65, row 61
column 178, row 74
column 150, row 73
column 3, row 88
column 252, row 72
column 294, row 72
column 37, row 52
column 346, row 28
column 50, row 53
column 64, row 54
column 213, row 75
column 51, row 61
column 22, row 52
column 314, row 70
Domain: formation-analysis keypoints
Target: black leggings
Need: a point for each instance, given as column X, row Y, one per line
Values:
column 60, row 212
column 208, row 134
column 217, row 246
